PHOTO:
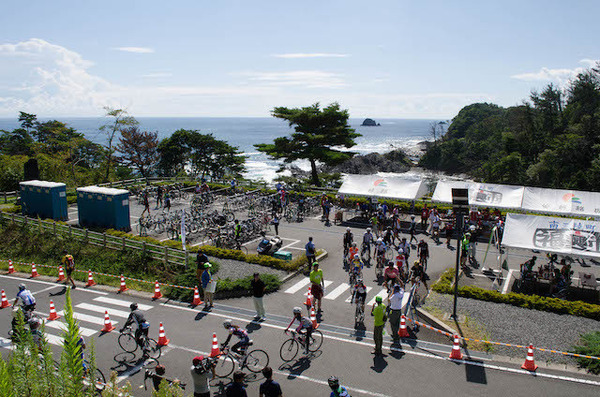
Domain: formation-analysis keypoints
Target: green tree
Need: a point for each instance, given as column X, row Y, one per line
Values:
column 320, row 135
column 16, row 142
column 28, row 121
column 138, row 149
column 120, row 120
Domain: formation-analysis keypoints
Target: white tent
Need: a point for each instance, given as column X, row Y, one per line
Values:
column 560, row 235
column 558, row 201
column 481, row 194
column 397, row 186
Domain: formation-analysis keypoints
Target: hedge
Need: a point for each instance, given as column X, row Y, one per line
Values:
column 554, row 305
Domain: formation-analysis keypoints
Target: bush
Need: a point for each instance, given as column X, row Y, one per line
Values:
column 589, row 345
column 554, row 305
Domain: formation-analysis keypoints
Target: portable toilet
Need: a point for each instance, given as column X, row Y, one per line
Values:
column 44, row 199
column 103, row 207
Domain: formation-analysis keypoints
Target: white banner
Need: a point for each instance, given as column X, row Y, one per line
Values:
column 560, row 235
column 559, row 201
column 393, row 187
column 481, row 194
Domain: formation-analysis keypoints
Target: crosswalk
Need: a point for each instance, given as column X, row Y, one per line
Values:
column 90, row 317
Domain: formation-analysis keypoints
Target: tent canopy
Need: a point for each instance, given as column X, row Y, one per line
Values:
column 398, row 186
column 559, row 235
column 481, row 194
column 557, row 201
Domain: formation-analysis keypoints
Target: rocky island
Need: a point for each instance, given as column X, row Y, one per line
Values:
column 370, row 123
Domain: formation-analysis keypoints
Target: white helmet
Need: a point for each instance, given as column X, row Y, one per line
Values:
column 368, row 230
column 379, row 240
column 227, row 323
column 472, row 228
column 297, row 310
column 347, row 229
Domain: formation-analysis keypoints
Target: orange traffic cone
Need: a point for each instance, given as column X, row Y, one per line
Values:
column 162, row 339
column 53, row 315
column 34, row 272
column 403, row 332
column 313, row 318
column 529, row 364
column 123, row 285
column 308, row 302
column 11, row 269
column 107, row 324
column 5, row 302
column 157, row 293
column 61, row 274
column 91, row 281
column 456, row 354
column 197, row 301
column 215, row 351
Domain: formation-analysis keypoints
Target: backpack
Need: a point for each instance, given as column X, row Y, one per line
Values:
column 70, row 262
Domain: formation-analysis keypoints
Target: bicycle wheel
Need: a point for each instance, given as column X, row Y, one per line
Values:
column 289, row 349
column 224, row 366
column 128, row 343
column 99, row 380
column 316, row 340
column 153, row 349
column 357, row 314
column 257, row 360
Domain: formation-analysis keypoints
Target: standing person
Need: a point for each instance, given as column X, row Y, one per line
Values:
column 449, row 230
column 69, row 263
column 237, row 389
column 232, row 185
column 310, row 251
column 206, row 280
column 395, row 302
column 464, row 250
column 373, row 222
column 378, row 312
column 327, row 208
column 201, row 259
column 413, row 229
column 424, row 216
column 146, row 201
column 318, row 284
column 323, row 202
column 275, row 223
column 159, row 197
column 473, row 244
column 200, row 376
column 336, row 389
column 168, row 201
column 258, row 291
column 237, row 233
column 269, row 388
column 405, row 247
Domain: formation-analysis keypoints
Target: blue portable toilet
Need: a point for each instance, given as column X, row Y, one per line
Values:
column 44, row 199
column 103, row 207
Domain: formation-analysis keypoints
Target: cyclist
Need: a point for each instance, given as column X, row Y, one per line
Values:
column 367, row 241
column 27, row 300
column 81, row 346
column 390, row 274
column 241, row 333
column 137, row 317
column 405, row 247
column 69, row 263
column 347, row 241
column 417, row 272
column 423, row 252
column 36, row 335
column 401, row 264
column 435, row 226
column 388, row 236
column 357, row 266
column 305, row 324
column 336, row 389
column 352, row 251
column 380, row 249
column 359, row 293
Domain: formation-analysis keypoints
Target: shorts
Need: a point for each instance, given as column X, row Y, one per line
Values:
column 360, row 297
column 69, row 271
column 317, row 291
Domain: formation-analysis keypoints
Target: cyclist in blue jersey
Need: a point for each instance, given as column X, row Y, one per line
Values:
column 241, row 333
column 336, row 389
column 27, row 300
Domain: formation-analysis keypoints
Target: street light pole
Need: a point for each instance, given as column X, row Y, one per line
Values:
column 460, row 201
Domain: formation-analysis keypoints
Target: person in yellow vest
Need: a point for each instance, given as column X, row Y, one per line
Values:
column 69, row 264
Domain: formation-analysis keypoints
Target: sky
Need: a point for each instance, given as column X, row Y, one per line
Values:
column 387, row 59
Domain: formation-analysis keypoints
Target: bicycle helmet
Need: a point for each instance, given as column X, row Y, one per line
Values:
column 227, row 323
column 34, row 323
column 133, row 306
column 297, row 310
column 334, row 382
column 348, row 229
column 21, row 287
column 354, row 245
column 356, row 256
column 379, row 240
column 359, row 280
column 368, row 230
column 472, row 228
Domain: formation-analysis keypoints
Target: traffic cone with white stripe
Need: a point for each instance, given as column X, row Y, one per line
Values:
column 456, row 354
column 215, row 351
column 529, row 364
column 308, row 302
column 11, row 268
column 91, row 281
column 107, row 323
column 403, row 332
column 157, row 293
column 313, row 318
column 53, row 315
column 34, row 272
column 123, row 285
column 5, row 302
column 162, row 339
column 61, row 274
column 197, row 301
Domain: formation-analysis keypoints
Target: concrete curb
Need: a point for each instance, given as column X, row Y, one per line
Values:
column 323, row 255
column 436, row 322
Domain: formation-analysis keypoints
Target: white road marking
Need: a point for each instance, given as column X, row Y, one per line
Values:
column 45, row 289
column 383, row 293
column 49, row 283
column 86, row 318
column 298, row 286
column 119, row 302
column 55, row 340
column 337, row 291
column 6, row 343
column 101, row 309
column 294, row 242
column 350, row 297
column 63, row 327
column 507, row 282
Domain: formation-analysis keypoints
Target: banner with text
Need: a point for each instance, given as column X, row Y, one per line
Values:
column 559, row 201
column 481, row 194
column 393, row 187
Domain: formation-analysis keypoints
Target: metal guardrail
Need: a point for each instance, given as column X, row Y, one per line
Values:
column 158, row 252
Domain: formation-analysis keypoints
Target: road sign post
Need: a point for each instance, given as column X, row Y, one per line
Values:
column 460, row 202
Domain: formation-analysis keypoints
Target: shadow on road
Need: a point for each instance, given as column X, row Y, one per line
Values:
column 61, row 292
column 252, row 326
column 475, row 373
column 200, row 315
column 379, row 363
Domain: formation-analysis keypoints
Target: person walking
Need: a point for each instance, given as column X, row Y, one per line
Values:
column 269, row 388
column 159, row 197
column 275, row 223
column 237, row 389
column 317, row 284
column 395, row 302
column 258, row 291
column 146, row 201
column 69, row 263
column 207, row 286
column 413, row 229
column 310, row 251
column 378, row 312
column 167, row 201
column 201, row 259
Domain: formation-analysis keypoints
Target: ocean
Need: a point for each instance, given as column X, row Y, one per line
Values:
column 244, row 132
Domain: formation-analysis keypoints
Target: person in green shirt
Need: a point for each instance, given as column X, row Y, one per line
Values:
column 464, row 250
column 318, row 284
column 378, row 312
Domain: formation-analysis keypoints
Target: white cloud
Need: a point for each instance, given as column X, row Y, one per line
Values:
column 157, row 75
column 301, row 78
column 560, row 76
column 310, row 55
column 136, row 50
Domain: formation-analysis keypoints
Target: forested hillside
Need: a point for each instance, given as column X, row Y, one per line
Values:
column 552, row 140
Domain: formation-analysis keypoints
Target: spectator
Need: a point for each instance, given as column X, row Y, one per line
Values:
column 269, row 388
column 395, row 302
column 199, row 372
column 275, row 223
column 424, row 217
column 201, row 259
column 237, row 389
column 378, row 312
column 310, row 251
column 158, row 376
column 69, row 263
column 317, row 284
column 159, row 197
column 258, row 291
column 146, row 201
column 167, row 201
column 206, row 280
column 413, row 229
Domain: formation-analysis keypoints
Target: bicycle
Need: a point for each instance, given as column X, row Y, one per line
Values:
column 289, row 348
column 255, row 360
column 148, row 345
column 365, row 248
column 98, row 380
column 359, row 312
column 379, row 267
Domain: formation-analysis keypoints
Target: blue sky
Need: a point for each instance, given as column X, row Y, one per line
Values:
column 396, row 59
